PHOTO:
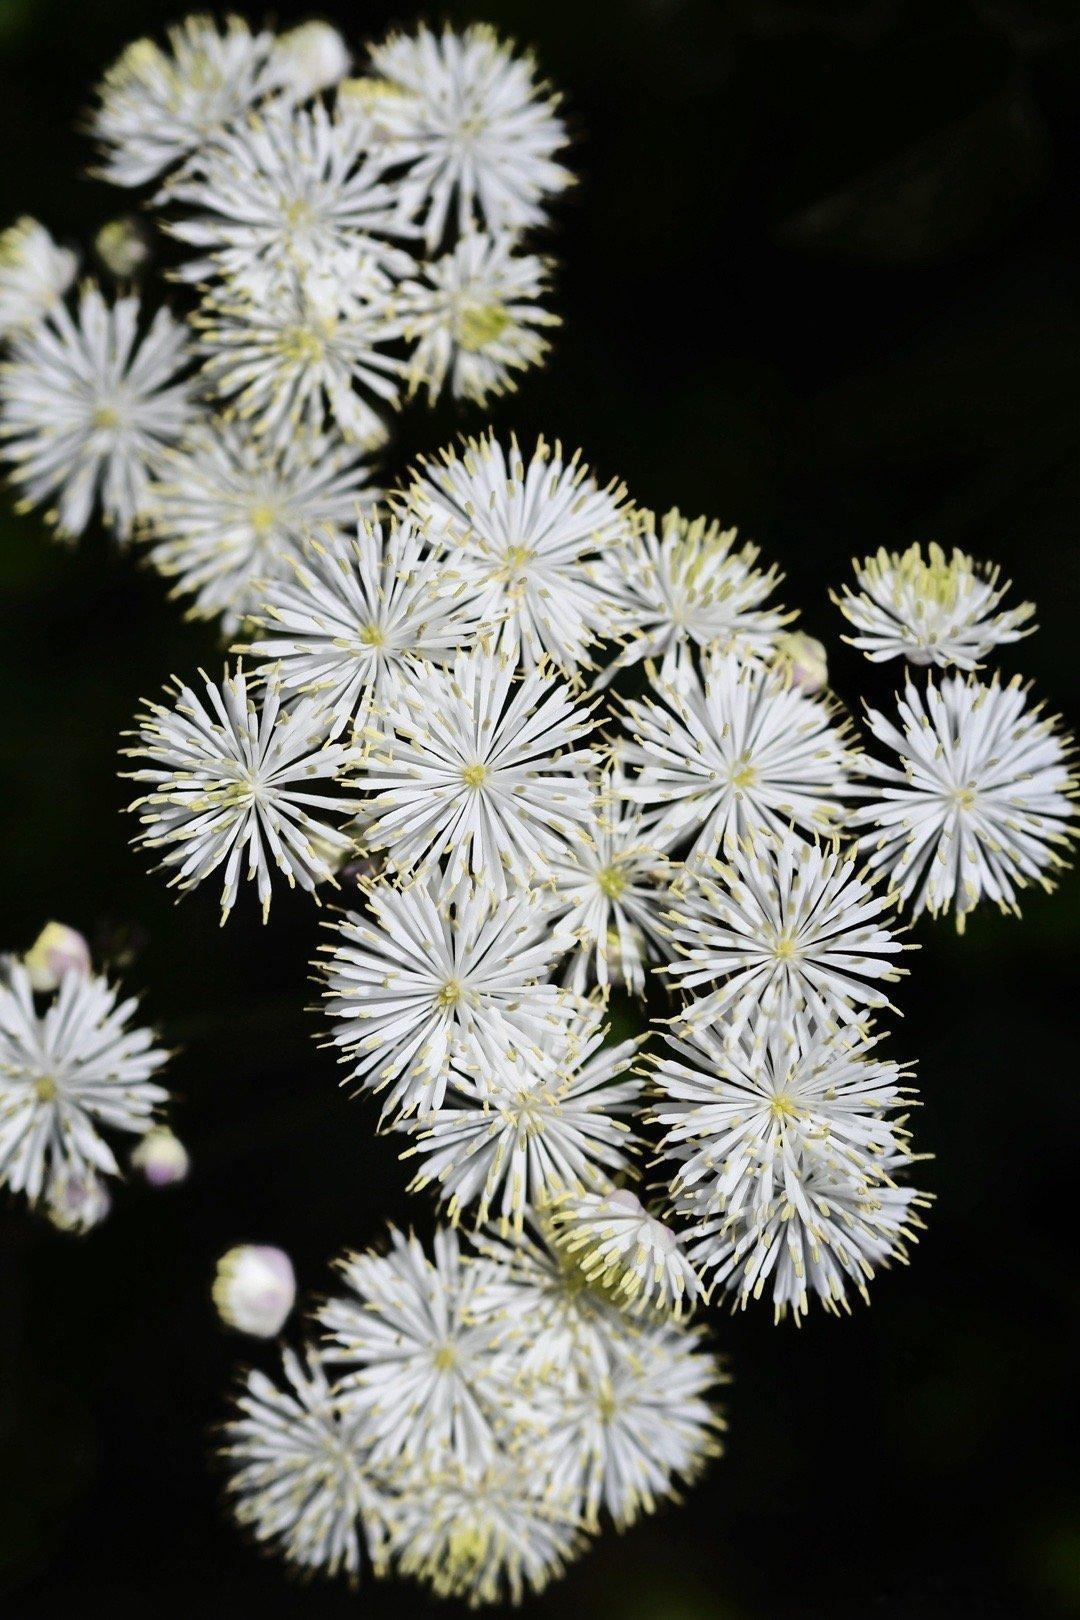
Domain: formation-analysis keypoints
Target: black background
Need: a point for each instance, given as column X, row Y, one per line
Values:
column 819, row 279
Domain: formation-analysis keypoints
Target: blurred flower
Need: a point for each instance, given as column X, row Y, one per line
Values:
column 56, row 951
column 161, row 1157
column 77, row 1200
column 34, row 275
column 123, row 247
column 802, row 660
column 255, row 1289
column 315, row 57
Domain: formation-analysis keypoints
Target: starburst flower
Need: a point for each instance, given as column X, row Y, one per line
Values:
column 622, row 1439
column 684, row 587
column 532, row 1127
column 473, row 317
column 226, row 780
column 622, row 1250
column 535, row 541
column 483, row 1535
column 67, row 1074
column 477, row 129
column 354, row 612
column 481, row 768
column 607, row 891
column 287, row 189
column 740, row 752
column 834, row 1235
column 34, row 275
column 785, row 926
column 741, row 1120
column 228, row 513
column 156, row 104
column 298, row 1474
column 546, row 1313
column 981, row 803
column 440, row 975
column 291, row 353
column 429, row 1381
column 930, row 610
column 86, row 407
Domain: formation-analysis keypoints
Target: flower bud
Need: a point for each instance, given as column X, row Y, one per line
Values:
column 161, row 1157
column 123, row 246
column 77, row 1200
column 255, row 1289
column 56, row 951
column 316, row 57
column 804, row 660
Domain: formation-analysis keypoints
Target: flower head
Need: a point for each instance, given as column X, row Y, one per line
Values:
column 738, row 753
column 981, row 802
column 478, row 131
column 535, row 540
column 226, row 780
column 298, row 1474
column 354, row 612
column 622, row 1250
column 473, row 316
column 34, row 275
column 478, row 767
column 86, row 408
column 228, row 512
column 930, row 610
column 784, row 926
column 66, row 1074
column 156, row 104
column 684, row 587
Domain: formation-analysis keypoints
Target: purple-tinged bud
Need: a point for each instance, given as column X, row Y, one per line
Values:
column 804, row 660
column 77, row 1200
column 161, row 1157
column 56, row 951
column 255, row 1289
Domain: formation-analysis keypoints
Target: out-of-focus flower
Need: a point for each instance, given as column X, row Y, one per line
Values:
column 314, row 56
column 77, row 1200
column 802, row 660
column 34, row 275
column 161, row 1157
column 255, row 1289
column 123, row 247
column 57, row 950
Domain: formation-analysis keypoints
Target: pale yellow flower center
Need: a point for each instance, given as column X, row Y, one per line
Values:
column 474, row 776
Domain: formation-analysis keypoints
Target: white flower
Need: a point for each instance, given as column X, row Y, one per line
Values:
column 783, row 927
column 315, row 57
column 741, row 752
column 486, row 1535
column 837, row 1231
column 227, row 780
column 932, row 610
column 352, row 612
column 476, row 766
column 684, row 587
column 472, row 316
column 548, row 1317
column 440, row 975
column 155, row 105
column 532, row 1127
column 298, row 1475
column 622, row 1250
column 34, row 274
column 622, row 1439
column 741, row 1120
column 607, row 891
column 981, row 802
column 429, row 1379
column 255, row 1289
column 77, row 1200
column 67, row 1073
column 536, row 541
column 292, row 352
column 477, row 129
column 161, row 1158
column 56, row 951
column 229, row 512
column 289, row 188
column 85, row 408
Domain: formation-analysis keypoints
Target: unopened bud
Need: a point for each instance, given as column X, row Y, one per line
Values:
column 804, row 659
column 255, row 1289
column 56, row 951
column 123, row 246
column 316, row 57
column 161, row 1157
column 77, row 1200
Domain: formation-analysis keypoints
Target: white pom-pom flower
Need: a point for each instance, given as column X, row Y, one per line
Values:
column 35, row 273
column 622, row 1250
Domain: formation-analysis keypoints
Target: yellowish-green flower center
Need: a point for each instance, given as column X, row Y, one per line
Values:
column 743, row 774
column 782, row 1107
column 450, row 994
column 611, row 882
column 444, row 1357
column 262, row 519
column 480, row 324
column 105, row 417
column 372, row 636
column 963, row 798
column 474, row 776
column 45, row 1088
column 784, row 948
column 935, row 578
column 302, row 345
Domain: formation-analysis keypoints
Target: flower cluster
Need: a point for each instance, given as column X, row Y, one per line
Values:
column 75, row 1072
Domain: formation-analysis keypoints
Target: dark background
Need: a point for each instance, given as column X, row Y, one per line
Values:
column 819, row 279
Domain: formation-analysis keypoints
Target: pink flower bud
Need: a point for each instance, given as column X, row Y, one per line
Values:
column 77, row 1200
column 255, row 1289
column 161, row 1157
column 56, row 951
